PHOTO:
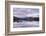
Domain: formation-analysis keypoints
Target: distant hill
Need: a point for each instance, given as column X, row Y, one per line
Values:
column 16, row 19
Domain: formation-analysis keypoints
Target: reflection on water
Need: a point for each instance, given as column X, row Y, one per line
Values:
column 26, row 24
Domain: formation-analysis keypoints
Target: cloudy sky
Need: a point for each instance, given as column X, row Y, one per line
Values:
column 25, row 12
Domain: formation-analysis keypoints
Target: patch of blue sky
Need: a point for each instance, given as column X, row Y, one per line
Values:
column 25, row 12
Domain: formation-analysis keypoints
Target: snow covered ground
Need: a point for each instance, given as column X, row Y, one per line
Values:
column 25, row 24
